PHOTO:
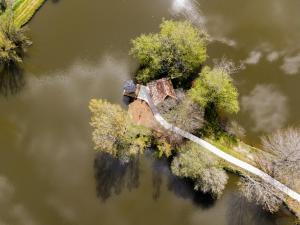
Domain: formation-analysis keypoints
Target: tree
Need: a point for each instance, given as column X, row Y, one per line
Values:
column 203, row 168
column 284, row 162
column 186, row 115
column 281, row 161
column 115, row 133
column 177, row 52
column 262, row 193
column 215, row 87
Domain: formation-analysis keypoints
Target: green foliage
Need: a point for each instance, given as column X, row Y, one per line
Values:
column 13, row 42
column 215, row 87
column 24, row 10
column 197, row 164
column 114, row 131
column 163, row 148
column 177, row 51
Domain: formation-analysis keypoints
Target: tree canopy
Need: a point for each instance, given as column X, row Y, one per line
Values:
column 114, row 132
column 203, row 168
column 215, row 86
column 177, row 51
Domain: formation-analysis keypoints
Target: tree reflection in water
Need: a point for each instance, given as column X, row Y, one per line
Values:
column 241, row 212
column 183, row 188
column 112, row 175
column 11, row 79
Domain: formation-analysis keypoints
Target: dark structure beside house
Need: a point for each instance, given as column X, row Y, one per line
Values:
column 129, row 88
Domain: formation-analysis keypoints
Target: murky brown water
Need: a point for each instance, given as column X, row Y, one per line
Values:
column 47, row 173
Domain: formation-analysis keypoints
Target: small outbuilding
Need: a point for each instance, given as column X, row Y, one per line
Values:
column 129, row 88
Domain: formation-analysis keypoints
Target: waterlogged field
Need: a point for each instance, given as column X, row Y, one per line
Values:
column 49, row 173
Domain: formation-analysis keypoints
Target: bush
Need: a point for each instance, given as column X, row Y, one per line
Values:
column 203, row 168
column 177, row 52
column 163, row 148
column 212, row 180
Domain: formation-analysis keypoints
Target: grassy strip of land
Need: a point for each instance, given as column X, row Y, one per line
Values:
column 24, row 10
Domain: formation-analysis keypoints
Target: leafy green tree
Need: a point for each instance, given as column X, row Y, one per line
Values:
column 203, row 168
column 115, row 133
column 13, row 41
column 177, row 52
column 215, row 87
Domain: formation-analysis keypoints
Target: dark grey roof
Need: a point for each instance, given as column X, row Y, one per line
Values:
column 129, row 86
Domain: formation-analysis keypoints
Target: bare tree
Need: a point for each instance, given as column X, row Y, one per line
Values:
column 262, row 193
column 227, row 66
column 280, row 160
column 233, row 128
column 284, row 145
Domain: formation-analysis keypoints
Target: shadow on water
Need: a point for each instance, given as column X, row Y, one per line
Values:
column 11, row 80
column 183, row 188
column 56, row 1
column 112, row 175
column 241, row 212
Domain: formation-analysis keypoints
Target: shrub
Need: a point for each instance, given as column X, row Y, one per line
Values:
column 203, row 168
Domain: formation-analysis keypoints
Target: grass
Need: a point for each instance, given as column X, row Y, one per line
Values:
column 24, row 10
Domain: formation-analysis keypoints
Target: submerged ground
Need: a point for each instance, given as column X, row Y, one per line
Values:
column 79, row 52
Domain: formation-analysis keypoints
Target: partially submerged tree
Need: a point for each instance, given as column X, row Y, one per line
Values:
column 115, row 133
column 284, row 161
column 203, row 168
column 215, row 87
column 262, row 193
column 177, row 52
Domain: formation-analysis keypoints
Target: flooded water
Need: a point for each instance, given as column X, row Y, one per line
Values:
column 49, row 173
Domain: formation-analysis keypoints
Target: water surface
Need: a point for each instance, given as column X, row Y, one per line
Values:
column 80, row 51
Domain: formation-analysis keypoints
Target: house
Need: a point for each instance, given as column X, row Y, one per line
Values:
column 139, row 110
column 160, row 90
